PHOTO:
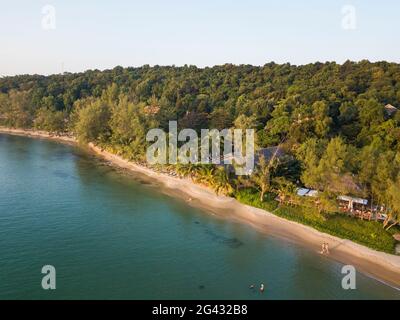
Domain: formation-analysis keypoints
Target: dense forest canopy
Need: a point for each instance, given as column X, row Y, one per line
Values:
column 332, row 119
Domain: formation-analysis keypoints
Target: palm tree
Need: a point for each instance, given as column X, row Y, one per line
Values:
column 326, row 203
column 241, row 182
column 187, row 170
column 285, row 189
column 221, row 183
column 262, row 177
column 393, row 199
column 181, row 170
column 204, row 174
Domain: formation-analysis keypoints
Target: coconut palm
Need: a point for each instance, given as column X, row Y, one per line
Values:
column 393, row 214
column 262, row 176
column 220, row 182
column 285, row 189
column 204, row 174
column 187, row 170
column 241, row 182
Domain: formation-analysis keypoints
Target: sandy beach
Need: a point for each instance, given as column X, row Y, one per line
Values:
column 38, row 134
column 382, row 266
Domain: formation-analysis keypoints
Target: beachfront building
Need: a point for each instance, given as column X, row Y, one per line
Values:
column 347, row 203
column 356, row 207
column 304, row 192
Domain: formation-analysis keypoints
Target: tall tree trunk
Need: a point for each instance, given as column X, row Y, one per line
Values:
column 393, row 224
column 385, row 223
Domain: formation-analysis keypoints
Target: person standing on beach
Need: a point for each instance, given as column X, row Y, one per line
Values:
column 325, row 248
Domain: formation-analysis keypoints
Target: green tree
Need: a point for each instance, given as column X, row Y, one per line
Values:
column 220, row 119
column 50, row 120
column 245, row 122
column 309, row 154
column 287, row 190
column 387, row 167
column 92, row 123
column 16, row 109
column 221, row 182
column 262, row 175
column 128, row 125
column 322, row 119
column 327, row 203
column 393, row 198
column 278, row 127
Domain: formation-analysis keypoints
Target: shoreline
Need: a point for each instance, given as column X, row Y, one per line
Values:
column 381, row 266
column 38, row 134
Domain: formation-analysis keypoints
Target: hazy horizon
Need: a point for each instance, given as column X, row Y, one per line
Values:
column 199, row 67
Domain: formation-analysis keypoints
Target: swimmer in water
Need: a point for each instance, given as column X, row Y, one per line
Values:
column 262, row 288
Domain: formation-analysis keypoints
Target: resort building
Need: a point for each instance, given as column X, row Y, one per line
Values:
column 304, row 192
column 350, row 203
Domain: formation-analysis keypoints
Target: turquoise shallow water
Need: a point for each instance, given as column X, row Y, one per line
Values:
column 111, row 236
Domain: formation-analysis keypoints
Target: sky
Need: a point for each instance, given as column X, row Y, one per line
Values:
column 52, row 36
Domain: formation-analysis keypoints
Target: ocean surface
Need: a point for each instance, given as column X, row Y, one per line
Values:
column 113, row 235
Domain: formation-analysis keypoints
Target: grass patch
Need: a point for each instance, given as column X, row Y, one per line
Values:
column 252, row 198
column 367, row 233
